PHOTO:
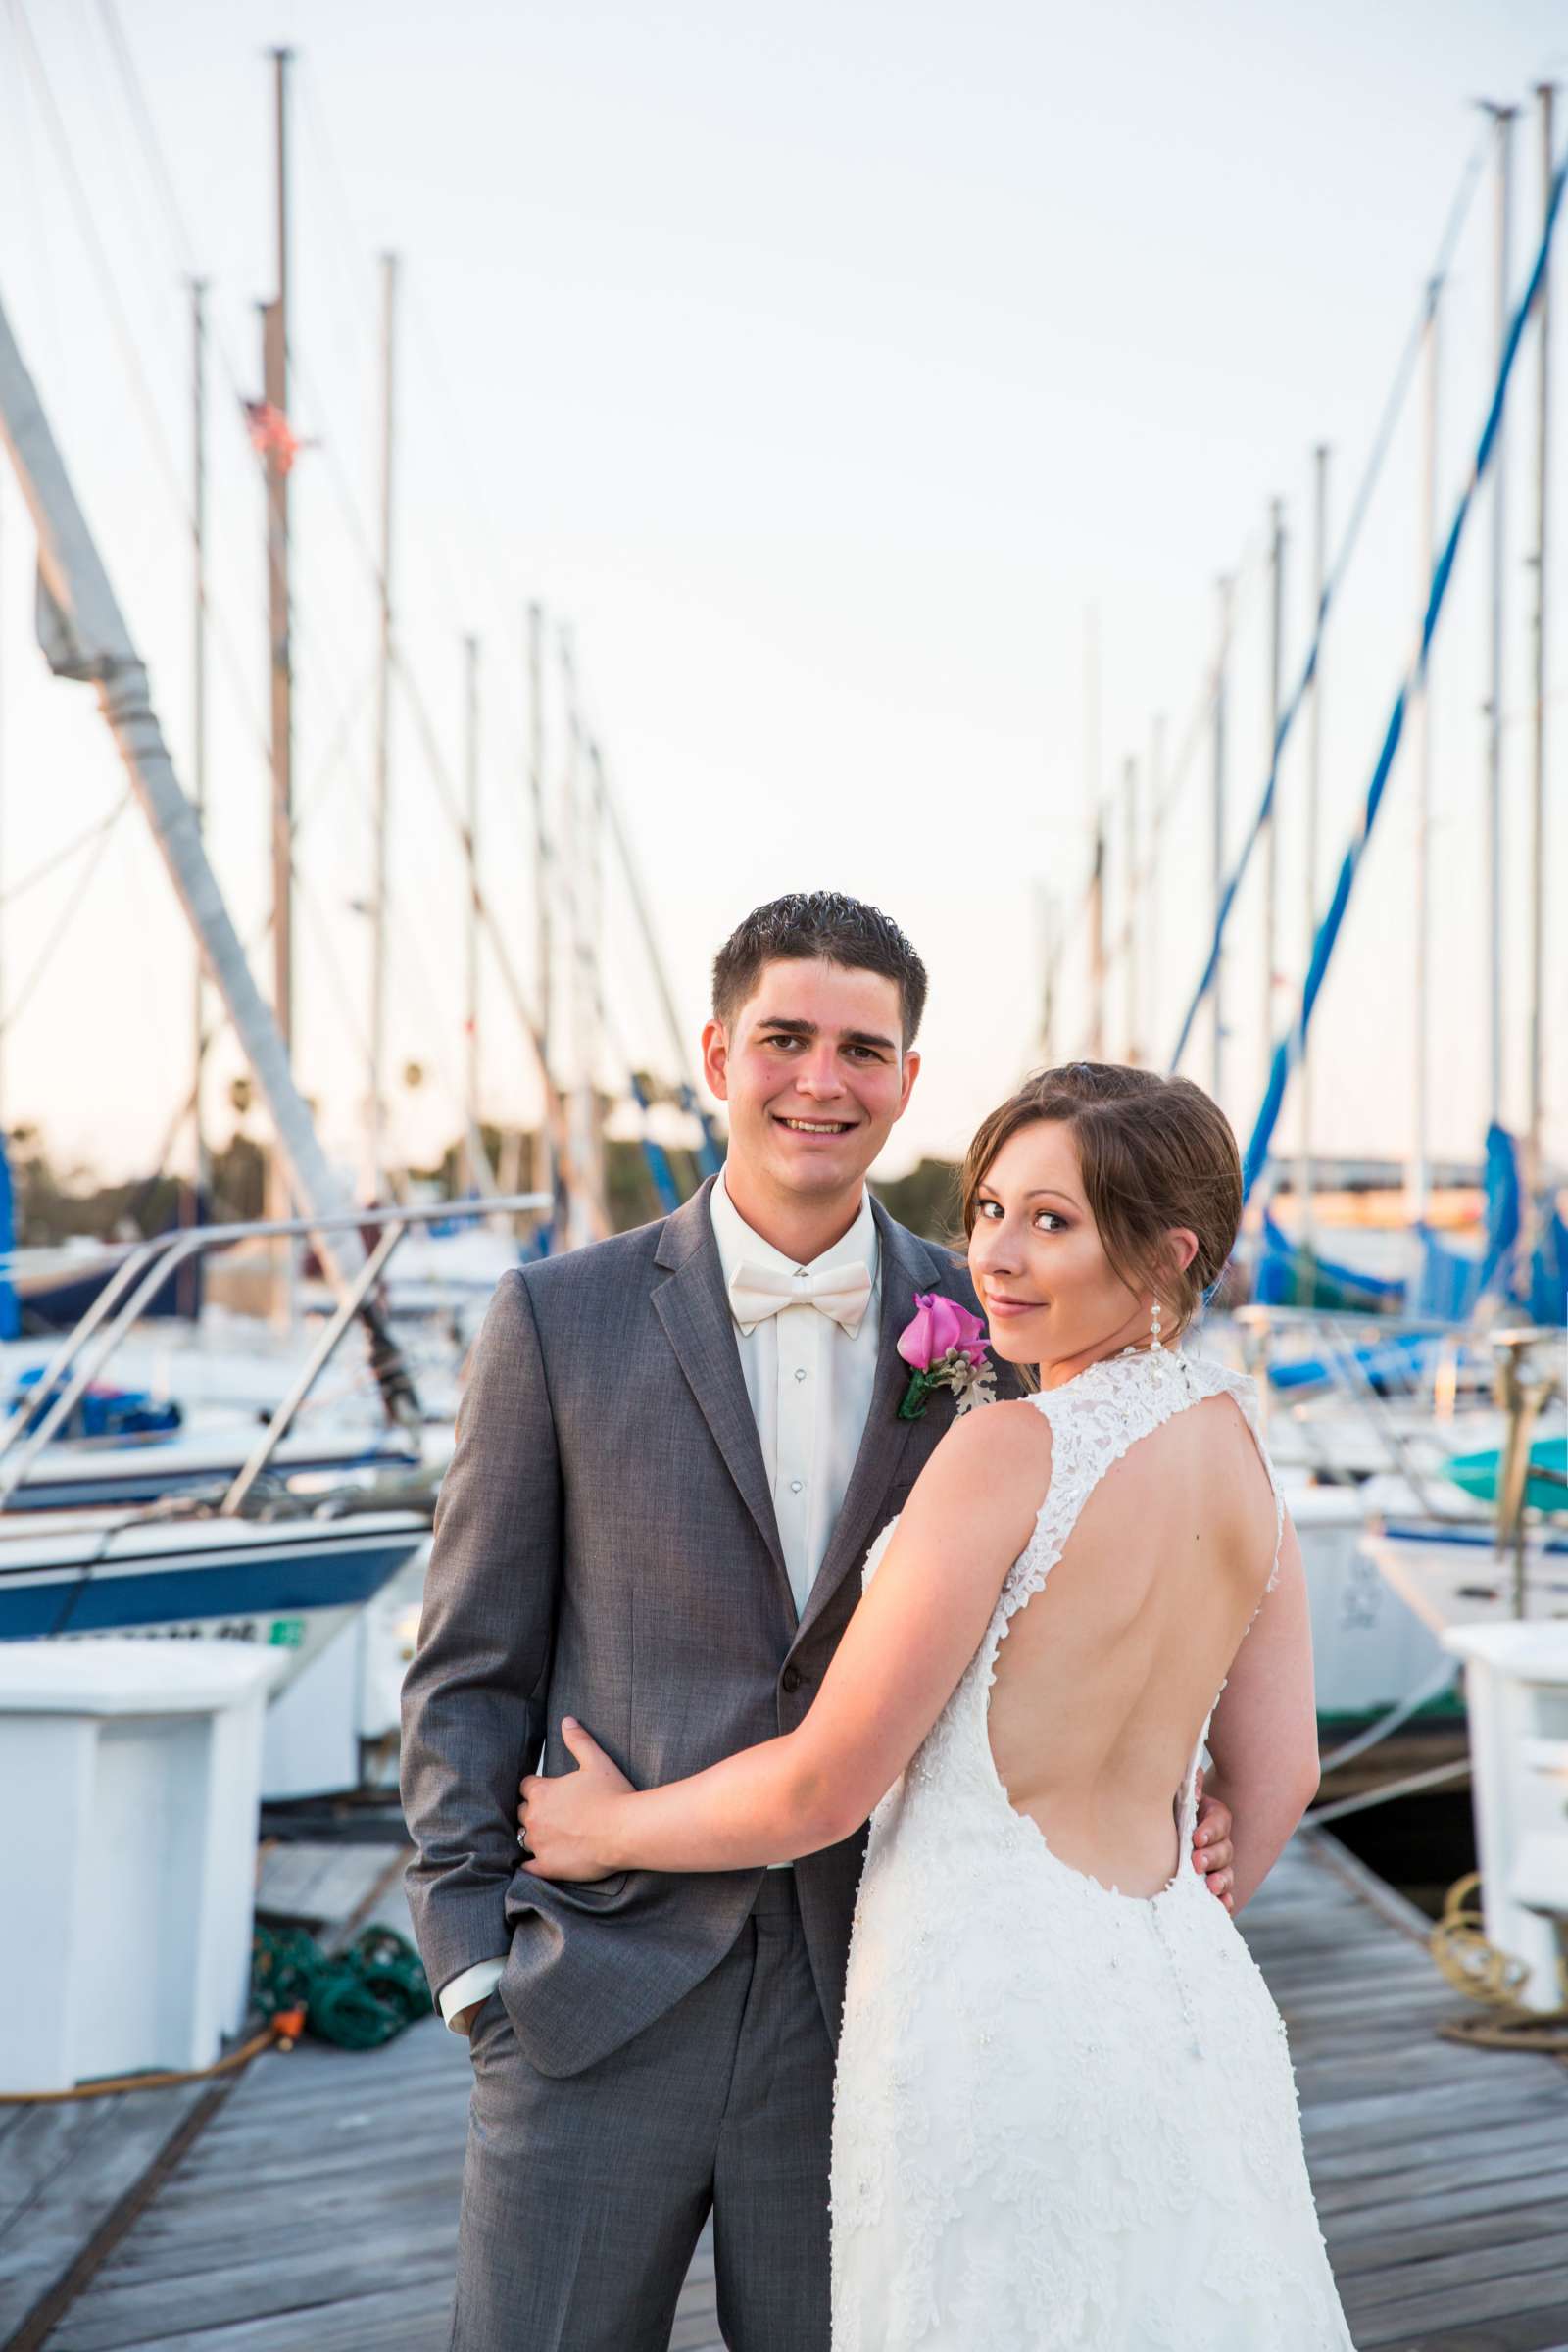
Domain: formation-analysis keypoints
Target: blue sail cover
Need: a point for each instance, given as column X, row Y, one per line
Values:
column 1286, row 1275
column 1453, row 1284
column 1548, row 1273
column 1504, row 1189
column 1450, row 1282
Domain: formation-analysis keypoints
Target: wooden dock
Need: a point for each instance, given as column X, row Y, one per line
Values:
column 310, row 2204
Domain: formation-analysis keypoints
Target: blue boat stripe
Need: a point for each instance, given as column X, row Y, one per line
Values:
column 1482, row 1537
column 296, row 1586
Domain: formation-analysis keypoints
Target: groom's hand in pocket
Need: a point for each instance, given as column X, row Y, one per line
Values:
column 1212, row 1850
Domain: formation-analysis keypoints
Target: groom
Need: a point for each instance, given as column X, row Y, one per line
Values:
column 674, row 1450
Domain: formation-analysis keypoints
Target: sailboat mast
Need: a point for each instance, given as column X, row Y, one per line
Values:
column 1097, row 837
column 1537, row 792
column 1307, row 1174
column 1048, row 913
column 1153, row 830
column 198, row 714
column 1502, row 118
column 1271, row 826
column 472, row 1181
column 1421, row 1169
column 274, row 382
column 1129, row 854
column 584, row 1204
column 1216, row 1073
column 544, row 1173
column 377, row 1153
column 1096, row 938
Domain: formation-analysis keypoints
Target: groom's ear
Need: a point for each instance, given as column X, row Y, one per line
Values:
column 912, row 1071
column 715, row 1058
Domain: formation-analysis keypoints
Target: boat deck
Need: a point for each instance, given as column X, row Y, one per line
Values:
column 310, row 2203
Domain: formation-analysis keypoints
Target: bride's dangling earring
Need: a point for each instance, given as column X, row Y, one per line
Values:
column 1157, row 1343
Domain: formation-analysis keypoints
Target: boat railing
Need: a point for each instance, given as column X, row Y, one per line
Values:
column 87, row 1348
column 1349, row 1378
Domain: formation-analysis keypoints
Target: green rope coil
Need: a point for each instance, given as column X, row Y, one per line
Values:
column 356, row 1999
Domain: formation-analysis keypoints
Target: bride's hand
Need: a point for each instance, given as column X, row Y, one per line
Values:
column 567, row 1823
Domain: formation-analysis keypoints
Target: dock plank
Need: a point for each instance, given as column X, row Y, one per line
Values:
column 317, row 2212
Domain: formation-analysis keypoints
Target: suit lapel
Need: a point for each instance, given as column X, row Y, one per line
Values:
column 908, row 1266
column 695, row 1313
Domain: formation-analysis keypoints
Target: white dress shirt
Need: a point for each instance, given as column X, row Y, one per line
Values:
column 810, row 1383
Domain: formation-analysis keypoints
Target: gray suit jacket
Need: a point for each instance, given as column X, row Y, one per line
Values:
column 605, row 1547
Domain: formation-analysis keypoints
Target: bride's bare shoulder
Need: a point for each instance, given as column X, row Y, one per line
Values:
column 994, row 1437
column 992, row 1463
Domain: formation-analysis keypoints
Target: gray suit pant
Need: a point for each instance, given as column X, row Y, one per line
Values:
column 584, row 2195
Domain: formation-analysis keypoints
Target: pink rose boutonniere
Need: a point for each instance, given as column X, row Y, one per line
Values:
column 945, row 1348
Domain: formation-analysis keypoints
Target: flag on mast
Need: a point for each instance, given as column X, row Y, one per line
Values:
column 271, row 435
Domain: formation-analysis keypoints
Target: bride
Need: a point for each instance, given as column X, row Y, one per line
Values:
column 1064, row 2114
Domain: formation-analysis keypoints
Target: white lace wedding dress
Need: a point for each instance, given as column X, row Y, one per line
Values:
column 1064, row 2118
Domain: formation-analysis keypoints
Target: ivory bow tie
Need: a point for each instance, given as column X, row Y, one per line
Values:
column 841, row 1293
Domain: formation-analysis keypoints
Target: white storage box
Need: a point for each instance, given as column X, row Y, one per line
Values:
column 129, row 1782
column 1516, row 1688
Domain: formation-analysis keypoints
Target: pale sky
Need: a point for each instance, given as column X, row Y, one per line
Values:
column 822, row 370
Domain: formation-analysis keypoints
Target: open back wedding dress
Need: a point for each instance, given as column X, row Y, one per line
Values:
column 1064, row 2118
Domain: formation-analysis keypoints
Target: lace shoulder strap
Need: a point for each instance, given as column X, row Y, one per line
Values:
column 1094, row 1420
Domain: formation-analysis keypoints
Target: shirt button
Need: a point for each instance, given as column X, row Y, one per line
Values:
column 796, row 1484
column 800, row 1375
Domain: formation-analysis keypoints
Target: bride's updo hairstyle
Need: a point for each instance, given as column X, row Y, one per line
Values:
column 1155, row 1153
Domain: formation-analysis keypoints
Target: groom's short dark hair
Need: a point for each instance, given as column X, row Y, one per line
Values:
column 808, row 923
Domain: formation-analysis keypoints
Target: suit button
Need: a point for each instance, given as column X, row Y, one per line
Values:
column 791, row 1678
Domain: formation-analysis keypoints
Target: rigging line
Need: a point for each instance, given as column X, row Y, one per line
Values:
column 155, row 159
column 1405, row 375
column 111, row 142
column 1289, row 1049
column 66, row 158
column 147, row 134
column 347, row 502
column 66, row 917
column 333, row 765
column 1243, row 579
column 210, row 1037
column 348, row 241
column 59, row 857
column 348, row 233
column 526, row 1014
column 37, row 219
column 1243, row 576
column 458, row 446
column 343, row 1008
column 428, row 345
column 454, row 1088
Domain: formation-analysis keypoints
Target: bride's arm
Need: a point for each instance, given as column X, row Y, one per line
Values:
column 907, row 1645
column 1263, row 1738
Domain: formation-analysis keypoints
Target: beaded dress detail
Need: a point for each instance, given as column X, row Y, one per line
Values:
column 1065, row 2119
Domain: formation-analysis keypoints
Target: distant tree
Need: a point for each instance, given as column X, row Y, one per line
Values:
column 240, row 1180
column 926, row 1200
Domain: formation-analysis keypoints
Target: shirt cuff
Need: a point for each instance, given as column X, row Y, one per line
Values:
column 475, row 1984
